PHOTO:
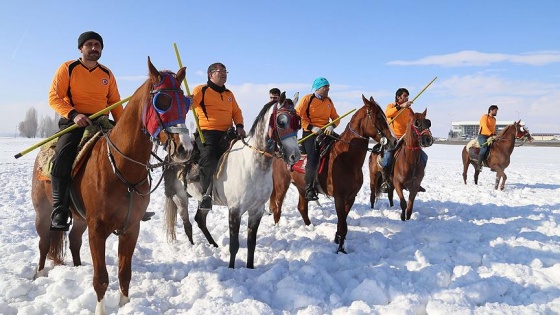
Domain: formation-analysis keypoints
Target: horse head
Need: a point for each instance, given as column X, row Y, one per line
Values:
column 420, row 129
column 164, row 115
column 522, row 133
column 376, row 126
column 283, row 127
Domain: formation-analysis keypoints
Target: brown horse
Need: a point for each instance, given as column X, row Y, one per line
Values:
column 342, row 175
column 408, row 169
column 113, row 186
column 499, row 152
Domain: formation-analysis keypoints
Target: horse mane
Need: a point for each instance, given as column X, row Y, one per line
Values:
column 263, row 111
column 505, row 130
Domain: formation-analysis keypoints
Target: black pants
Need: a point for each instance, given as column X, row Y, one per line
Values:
column 66, row 150
column 210, row 153
column 312, row 152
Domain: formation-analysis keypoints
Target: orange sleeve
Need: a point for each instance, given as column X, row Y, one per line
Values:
column 58, row 99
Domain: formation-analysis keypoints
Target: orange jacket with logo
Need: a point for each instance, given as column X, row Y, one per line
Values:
column 221, row 109
column 91, row 90
column 400, row 123
column 320, row 111
column 487, row 125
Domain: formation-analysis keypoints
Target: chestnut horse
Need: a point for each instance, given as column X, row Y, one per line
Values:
column 113, row 185
column 499, row 152
column 342, row 175
column 243, row 180
column 408, row 169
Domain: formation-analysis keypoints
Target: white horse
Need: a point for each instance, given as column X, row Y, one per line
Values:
column 243, row 179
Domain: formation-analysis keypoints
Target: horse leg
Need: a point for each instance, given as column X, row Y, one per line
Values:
column 100, row 275
column 342, row 208
column 181, row 204
column 500, row 175
column 234, row 223
column 127, row 244
column 403, row 202
column 281, row 180
column 75, row 239
column 375, row 187
column 303, row 207
column 476, row 173
column 410, row 205
column 279, row 191
column 253, row 227
column 200, row 218
column 466, row 162
column 390, row 196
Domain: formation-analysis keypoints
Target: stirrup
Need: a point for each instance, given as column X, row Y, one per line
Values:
column 147, row 216
column 56, row 216
column 311, row 195
column 205, row 203
column 384, row 187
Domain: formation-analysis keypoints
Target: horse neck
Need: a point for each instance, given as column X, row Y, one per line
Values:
column 353, row 140
column 258, row 139
column 128, row 135
column 506, row 140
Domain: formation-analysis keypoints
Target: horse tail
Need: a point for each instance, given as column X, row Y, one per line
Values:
column 170, row 214
column 56, row 248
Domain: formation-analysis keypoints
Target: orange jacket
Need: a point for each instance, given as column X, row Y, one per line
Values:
column 487, row 125
column 319, row 112
column 399, row 124
column 221, row 109
column 91, row 90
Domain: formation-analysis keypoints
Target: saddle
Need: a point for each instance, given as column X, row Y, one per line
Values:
column 473, row 148
column 89, row 138
column 191, row 171
column 324, row 143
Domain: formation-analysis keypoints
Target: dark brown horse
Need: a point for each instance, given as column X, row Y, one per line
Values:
column 114, row 183
column 408, row 169
column 499, row 152
column 342, row 175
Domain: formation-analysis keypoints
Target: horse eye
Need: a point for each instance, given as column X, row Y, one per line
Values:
column 428, row 123
column 282, row 120
column 162, row 101
column 417, row 123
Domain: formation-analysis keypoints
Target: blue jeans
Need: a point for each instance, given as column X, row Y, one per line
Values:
column 483, row 146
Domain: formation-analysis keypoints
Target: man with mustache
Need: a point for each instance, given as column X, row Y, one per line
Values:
column 79, row 89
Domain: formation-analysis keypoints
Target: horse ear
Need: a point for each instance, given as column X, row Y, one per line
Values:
column 425, row 111
column 154, row 73
column 364, row 99
column 181, row 74
column 296, row 98
column 282, row 98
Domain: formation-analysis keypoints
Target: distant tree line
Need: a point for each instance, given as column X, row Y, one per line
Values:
column 30, row 127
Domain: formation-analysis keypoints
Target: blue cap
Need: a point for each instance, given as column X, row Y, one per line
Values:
column 319, row 83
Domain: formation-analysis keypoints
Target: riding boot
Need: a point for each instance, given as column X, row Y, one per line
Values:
column 310, row 193
column 61, row 218
column 206, row 202
column 385, row 174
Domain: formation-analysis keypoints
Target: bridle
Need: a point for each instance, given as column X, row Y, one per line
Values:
column 283, row 123
column 421, row 130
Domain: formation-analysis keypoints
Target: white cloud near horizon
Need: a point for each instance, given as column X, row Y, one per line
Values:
column 475, row 58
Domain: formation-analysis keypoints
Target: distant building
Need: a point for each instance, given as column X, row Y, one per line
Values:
column 546, row 136
column 469, row 129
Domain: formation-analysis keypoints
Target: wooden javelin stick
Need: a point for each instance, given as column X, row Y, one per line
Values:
column 424, row 89
column 70, row 128
column 325, row 126
column 188, row 93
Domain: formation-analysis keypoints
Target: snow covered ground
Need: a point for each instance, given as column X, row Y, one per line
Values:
column 467, row 250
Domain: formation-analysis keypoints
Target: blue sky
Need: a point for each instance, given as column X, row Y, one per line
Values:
column 482, row 52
